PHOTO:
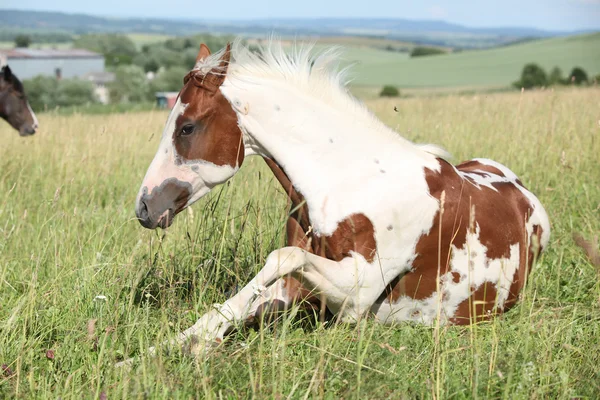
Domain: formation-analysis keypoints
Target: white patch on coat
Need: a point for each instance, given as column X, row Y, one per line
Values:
column 475, row 269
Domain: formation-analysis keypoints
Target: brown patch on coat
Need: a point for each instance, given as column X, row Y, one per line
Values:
column 355, row 233
column 500, row 217
column 216, row 136
column 478, row 307
column 473, row 166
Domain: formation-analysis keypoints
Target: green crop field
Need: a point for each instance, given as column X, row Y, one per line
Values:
column 83, row 285
column 498, row 66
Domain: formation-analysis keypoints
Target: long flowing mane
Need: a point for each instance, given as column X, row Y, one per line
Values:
column 314, row 73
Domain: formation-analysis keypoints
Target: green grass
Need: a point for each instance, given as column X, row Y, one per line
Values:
column 68, row 234
column 493, row 67
column 111, row 108
column 141, row 39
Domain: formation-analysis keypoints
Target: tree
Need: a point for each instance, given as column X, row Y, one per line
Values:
column 75, row 92
column 44, row 92
column 169, row 80
column 130, row 84
column 556, row 77
column 41, row 92
column 578, row 76
column 532, row 76
column 389, row 91
column 176, row 52
column 22, row 41
column 421, row 51
column 117, row 49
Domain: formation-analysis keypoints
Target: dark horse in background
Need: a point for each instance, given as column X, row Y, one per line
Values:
column 14, row 107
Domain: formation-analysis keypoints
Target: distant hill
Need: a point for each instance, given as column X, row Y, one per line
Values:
column 419, row 31
column 499, row 66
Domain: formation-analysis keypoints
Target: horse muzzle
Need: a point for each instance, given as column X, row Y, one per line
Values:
column 159, row 207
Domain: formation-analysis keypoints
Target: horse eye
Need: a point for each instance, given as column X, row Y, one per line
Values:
column 187, row 130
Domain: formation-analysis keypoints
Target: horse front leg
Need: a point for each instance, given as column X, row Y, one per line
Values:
column 265, row 287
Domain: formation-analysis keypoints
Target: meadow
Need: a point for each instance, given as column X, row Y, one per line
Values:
column 498, row 66
column 83, row 285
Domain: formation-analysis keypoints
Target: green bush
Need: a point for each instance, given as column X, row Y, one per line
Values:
column 169, row 80
column 389, row 91
column 22, row 40
column 75, row 92
column 578, row 76
column 422, row 51
column 532, row 76
column 41, row 92
column 130, row 85
column 46, row 93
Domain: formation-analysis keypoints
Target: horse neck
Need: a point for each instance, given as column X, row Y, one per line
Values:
column 329, row 153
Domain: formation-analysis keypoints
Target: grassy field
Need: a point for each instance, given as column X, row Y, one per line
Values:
column 83, row 285
column 494, row 67
column 141, row 39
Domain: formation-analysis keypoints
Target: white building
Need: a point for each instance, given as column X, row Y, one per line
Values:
column 27, row 63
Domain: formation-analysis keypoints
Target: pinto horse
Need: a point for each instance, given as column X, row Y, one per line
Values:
column 379, row 226
column 14, row 107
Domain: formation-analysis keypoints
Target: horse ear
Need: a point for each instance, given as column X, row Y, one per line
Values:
column 224, row 64
column 203, row 53
column 226, row 57
column 216, row 76
column 7, row 73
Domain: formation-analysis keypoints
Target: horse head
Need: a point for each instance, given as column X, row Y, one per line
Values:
column 201, row 146
column 14, row 107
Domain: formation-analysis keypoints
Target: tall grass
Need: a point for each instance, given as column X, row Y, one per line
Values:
column 82, row 285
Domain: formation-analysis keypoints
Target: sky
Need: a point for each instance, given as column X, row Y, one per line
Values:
column 555, row 15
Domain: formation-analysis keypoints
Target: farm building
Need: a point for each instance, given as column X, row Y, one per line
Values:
column 100, row 81
column 65, row 63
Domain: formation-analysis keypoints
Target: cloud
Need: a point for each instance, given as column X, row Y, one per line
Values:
column 437, row 11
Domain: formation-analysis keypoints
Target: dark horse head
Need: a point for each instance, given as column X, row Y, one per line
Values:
column 14, row 107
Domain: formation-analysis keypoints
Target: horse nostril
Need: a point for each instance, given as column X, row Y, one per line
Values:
column 142, row 213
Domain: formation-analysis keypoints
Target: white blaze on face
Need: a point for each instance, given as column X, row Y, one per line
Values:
column 201, row 175
column 35, row 120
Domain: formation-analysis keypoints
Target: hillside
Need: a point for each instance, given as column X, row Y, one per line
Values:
column 435, row 32
column 494, row 67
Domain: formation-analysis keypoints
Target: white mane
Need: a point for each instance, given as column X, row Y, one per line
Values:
column 314, row 73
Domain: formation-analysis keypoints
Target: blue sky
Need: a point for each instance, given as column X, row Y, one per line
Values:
column 544, row 14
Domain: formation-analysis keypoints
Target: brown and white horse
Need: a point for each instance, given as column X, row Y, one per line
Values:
column 381, row 226
column 14, row 107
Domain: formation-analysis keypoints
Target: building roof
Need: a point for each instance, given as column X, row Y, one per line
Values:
column 24, row 52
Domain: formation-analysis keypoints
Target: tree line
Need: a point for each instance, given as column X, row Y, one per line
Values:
column 534, row 76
